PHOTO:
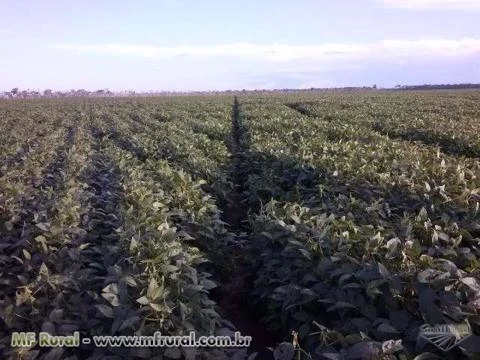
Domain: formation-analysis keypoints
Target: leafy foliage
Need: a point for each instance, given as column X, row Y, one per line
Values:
column 360, row 237
column 359, row 214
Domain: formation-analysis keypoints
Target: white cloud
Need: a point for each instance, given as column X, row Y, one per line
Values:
column 245, row 50
column 465, row 5
column 403, row 48
column 387, row 49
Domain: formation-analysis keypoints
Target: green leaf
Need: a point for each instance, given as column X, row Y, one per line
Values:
column 427, row 356
column 385, row 327
column 40, row 239
column 133, row 244
column 284, row 351
column 341, row 305
column 158, row 205
column 157, row 307
column 154, row 290
column 383, row 271
column 296, row 219
column 26, row 255
column 111, row 288
column 111, row 298
column 43, row 226
column 105, row 310
column 54, row 354
column 43, row 271
column 173, row 353
column 130, row 280
column 56, row 315
column 208, row 284
column 143, row 300
column 301, row 316
column 142, row 353
column 472, row 283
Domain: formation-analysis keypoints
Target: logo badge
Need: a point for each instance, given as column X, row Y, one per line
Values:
column 446, row 336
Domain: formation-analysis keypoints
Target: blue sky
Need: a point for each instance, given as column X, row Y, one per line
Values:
column 217, row 45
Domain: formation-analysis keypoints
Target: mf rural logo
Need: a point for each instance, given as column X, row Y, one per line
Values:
column 446, row 336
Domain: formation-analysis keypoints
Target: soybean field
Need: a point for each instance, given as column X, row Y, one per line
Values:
column 329, row 225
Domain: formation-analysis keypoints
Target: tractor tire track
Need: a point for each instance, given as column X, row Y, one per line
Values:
column 233, row 297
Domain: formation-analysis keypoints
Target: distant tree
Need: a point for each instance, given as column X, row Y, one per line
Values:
column 14, row 91
column 47, row 92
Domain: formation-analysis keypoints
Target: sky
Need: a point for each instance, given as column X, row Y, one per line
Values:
column 182, row 45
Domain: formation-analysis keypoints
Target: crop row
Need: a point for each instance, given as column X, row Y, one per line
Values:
column 110, row 236
column 449, row 121
column 123, row 216
column 361, row 238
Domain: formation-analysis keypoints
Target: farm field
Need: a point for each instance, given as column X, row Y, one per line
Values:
column 324, row 225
